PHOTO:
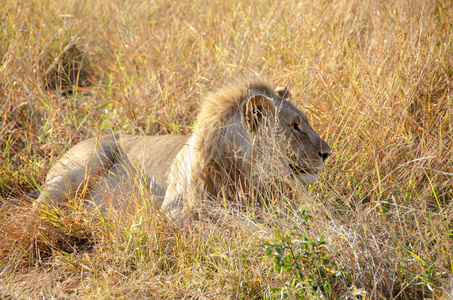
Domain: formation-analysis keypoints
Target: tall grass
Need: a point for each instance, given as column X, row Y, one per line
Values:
column 374, row 77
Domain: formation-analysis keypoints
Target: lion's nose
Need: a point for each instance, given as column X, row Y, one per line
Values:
column 325, row 151
column 324, row 155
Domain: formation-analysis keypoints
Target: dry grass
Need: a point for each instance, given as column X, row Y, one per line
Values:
column 375, row 77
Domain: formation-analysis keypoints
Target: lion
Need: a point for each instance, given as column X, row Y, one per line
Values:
column 180, row 171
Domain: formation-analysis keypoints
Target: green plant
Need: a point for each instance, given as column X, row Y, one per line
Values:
column 304, row 260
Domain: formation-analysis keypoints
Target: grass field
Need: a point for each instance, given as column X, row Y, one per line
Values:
column 374, row 77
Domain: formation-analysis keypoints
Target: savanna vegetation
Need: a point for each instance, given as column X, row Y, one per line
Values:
column 374, row 77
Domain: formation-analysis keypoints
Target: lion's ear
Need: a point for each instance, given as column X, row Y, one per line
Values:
column 256, row 107
column 284, row 92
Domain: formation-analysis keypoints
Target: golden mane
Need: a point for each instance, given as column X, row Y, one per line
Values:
column 220, row 129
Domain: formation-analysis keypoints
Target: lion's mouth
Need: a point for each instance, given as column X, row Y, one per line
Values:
column 304, row 175
column 297, row 169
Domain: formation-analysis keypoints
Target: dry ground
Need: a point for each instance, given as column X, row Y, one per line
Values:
column 375, row 78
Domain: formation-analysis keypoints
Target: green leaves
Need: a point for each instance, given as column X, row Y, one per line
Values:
column 302, row 261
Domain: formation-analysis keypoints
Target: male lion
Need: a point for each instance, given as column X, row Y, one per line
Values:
column 216, row 160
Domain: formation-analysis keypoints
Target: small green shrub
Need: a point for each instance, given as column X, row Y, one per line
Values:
column 309, row 271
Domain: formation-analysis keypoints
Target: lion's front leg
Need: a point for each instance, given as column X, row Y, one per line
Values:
column 175, row 204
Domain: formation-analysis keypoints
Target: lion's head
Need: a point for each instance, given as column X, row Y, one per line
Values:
column 231, row 121
column 304, row 152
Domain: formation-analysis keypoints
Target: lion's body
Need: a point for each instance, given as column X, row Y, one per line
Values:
column 130, row 164
column 180, row 170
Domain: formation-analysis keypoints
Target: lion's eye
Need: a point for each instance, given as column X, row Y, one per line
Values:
column 295, row 126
